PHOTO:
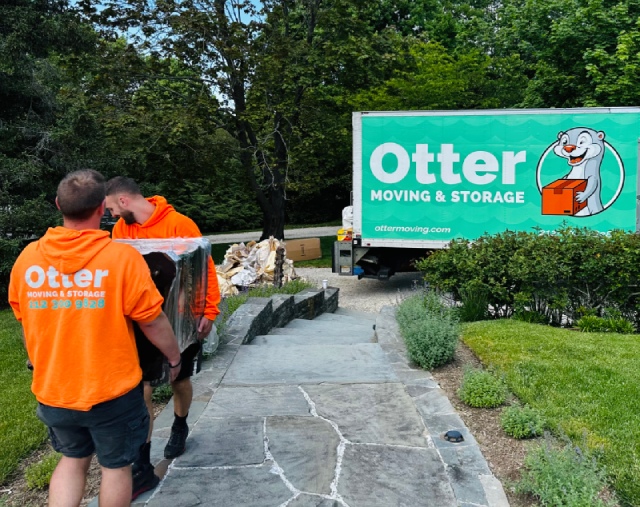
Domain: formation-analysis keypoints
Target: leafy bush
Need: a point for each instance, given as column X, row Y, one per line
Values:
column 38, row 475
column 481, row 389
column 429, row 328
column 475, row 302
column 595, row 324
column 522, row 422
column 564, row 477
column 565, row 275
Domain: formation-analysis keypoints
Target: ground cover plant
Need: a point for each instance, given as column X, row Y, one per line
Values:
column 20, row 430
column 481, row 389
column 522, row 422
column 39, row 474
column 563, row 476
column 585, row 385
column 430, row 329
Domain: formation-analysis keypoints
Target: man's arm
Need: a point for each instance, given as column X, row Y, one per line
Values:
column 160, row 333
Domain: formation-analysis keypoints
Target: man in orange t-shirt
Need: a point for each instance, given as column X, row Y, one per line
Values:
column 76, row 293
column 151, row 218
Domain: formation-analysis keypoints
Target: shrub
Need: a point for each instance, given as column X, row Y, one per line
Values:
column 553, row 274
column 429, row 328
column 595, row 324
column 564, row 477
column 38, row 475
column 475, row 302
column 481, row 389
column 522, row 422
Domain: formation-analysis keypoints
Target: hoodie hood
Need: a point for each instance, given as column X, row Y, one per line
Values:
column 163, row 208
column 69, row 250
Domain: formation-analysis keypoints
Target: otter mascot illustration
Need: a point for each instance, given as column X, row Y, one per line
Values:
column 583, row 148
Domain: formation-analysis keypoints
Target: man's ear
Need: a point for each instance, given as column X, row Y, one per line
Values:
column 123, row 199
column 57, row 205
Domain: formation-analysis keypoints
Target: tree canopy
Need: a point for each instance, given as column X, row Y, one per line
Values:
column 240, row 111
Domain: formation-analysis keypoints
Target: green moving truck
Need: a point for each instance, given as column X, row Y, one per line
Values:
column 423, row 178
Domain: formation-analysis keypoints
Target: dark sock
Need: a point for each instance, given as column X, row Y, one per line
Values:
column 180, row 422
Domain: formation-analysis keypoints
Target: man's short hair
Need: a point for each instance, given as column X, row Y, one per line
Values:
column 122, row 185
column 80, row 193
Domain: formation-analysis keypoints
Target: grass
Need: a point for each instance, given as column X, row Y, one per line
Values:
column 586, row 385
column 20, row 430
column 326, row 246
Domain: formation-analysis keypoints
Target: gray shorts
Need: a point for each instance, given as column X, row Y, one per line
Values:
column 115, row 430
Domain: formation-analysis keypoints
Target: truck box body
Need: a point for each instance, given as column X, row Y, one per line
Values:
column 424, row 178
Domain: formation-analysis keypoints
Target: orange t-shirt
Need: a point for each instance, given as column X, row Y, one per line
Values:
column 76, row 293
column 166, row 222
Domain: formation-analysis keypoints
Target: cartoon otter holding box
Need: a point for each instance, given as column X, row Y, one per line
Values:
column 578, row 193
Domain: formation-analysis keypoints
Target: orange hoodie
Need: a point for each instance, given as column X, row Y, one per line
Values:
column 76, row 293
column 166, row 222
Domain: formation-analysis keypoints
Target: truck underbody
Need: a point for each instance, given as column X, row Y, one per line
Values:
column 374, row 262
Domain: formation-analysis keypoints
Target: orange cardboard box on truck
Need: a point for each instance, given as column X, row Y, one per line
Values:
column 559, row 197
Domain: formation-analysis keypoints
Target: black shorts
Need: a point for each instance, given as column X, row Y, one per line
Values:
column 152, row 360
column 115, row 430
column 150, row 357
column 188, row 356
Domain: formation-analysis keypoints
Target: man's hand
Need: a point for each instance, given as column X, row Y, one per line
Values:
column 204, row 328
column 174, row 370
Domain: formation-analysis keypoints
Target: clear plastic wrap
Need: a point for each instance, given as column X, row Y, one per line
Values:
column 179, row 268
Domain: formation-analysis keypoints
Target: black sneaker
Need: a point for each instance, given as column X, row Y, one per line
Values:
column 144, row 479
column 177, row 442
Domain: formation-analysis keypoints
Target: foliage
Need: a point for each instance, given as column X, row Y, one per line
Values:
column 559, row 276
column 522, row 422
column 481, row 389
column 162, row 393
column 38, row 475
column 530, row 316
column 567, row 476
column 436, row 78
column 584, row 385
column 20, row 430
column 474, row 301
column 430, row 330
column 595, row 324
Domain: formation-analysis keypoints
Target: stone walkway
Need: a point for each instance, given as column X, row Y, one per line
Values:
column 323, row 412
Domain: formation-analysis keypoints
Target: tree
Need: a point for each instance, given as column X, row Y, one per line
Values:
column 267, row 65
column 435, row 78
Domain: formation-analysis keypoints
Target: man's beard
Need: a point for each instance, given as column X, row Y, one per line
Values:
column 128, row 217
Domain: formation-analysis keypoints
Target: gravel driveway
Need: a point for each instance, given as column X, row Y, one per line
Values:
column 366, row 295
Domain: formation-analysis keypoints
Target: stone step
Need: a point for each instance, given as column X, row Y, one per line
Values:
column 348, row 312
column 366, row 335
column 300, row 364
column 308, row 339
column 329, row 325
column 344, row 319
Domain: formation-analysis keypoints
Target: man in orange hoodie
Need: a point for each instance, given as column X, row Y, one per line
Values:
column 76, row 293
column 142, row 218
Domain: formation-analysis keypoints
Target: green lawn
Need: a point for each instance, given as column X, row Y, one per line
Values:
column 585, row 384
column 20, row 430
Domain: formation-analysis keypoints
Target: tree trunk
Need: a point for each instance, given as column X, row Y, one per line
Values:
column 273, row 215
